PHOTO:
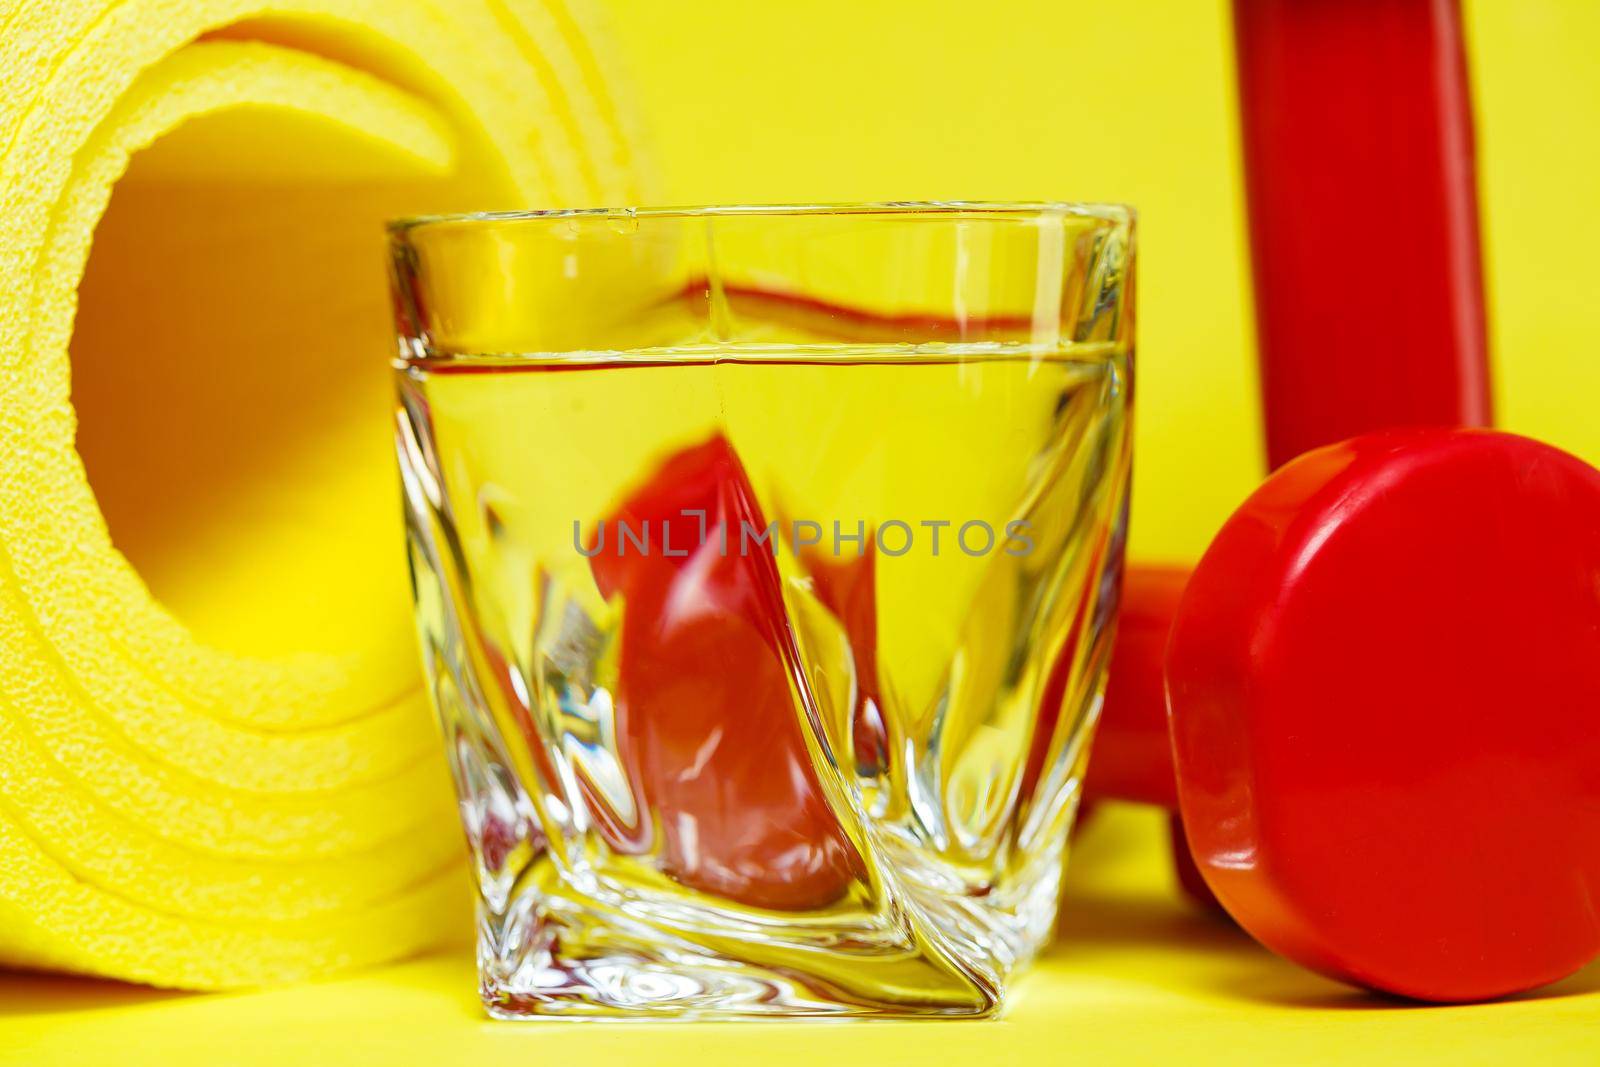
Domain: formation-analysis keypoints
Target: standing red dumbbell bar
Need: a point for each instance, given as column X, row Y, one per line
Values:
column 1356, row 123
column 1358, row 149
column 1371, row 782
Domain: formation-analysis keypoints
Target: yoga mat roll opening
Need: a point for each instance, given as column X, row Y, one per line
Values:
column 216, row 761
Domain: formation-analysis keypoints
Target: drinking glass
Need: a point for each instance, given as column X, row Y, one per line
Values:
column 765, row 563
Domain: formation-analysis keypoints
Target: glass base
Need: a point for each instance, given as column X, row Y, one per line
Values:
column 661, row 986
column 557, row 952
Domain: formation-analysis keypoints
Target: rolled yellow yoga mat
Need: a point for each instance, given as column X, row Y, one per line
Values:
column 216, row 761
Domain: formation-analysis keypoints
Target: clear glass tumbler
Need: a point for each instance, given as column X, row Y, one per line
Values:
column 765, row 563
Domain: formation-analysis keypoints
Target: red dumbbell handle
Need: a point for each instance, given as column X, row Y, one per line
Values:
column 1132, row 749
column 1132, row 757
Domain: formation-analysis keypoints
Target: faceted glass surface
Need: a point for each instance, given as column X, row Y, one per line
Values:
column 765, row 562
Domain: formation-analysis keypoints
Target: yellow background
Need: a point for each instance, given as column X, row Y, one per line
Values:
column 762, row 100
column 1133, row 101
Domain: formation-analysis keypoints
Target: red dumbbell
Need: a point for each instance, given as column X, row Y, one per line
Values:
column 1383, row 683
column 705, row 720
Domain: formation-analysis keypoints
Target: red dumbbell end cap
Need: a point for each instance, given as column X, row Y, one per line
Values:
column 1384, row 682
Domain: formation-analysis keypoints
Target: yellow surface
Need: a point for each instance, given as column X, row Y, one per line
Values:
column 1138, row 977
column 216, row 763
column 1093, row 99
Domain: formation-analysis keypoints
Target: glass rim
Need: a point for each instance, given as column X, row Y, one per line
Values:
column 1109, row 212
